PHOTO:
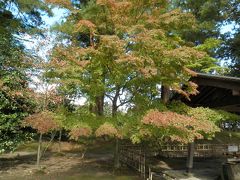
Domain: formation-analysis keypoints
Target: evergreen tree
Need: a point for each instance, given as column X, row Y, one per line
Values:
column 16, row 99
column 212, row 15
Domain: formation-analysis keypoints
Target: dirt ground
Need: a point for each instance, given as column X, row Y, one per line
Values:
column 203, row 168
column 96, row 164
column 69, row 165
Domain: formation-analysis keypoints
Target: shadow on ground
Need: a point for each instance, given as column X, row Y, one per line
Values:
column 97, row 164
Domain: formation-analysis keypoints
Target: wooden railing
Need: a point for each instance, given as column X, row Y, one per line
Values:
column 201, row 150
column 134, row 157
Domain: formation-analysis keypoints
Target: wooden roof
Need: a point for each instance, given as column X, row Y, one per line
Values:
column 219, row 92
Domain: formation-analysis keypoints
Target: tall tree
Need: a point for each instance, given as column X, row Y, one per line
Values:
column 212, row 16
column 232, row 53
column 127, row 46
column 231, row 49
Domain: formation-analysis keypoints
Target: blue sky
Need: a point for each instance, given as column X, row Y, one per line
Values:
column 58, row 15
column 46, row 44
column 42, row 45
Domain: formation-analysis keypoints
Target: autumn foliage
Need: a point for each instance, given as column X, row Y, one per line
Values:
column 180, row 128
column 62, row 3
column 107, row 129
column 78, row 132
column 125, row 50
column 43, row 122
column 118, row 44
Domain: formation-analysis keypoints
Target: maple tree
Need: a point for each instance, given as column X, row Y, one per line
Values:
column 218, row 117
column 44, row 122
column 109, row 58
column 43, row 119
column 174, row 122
column 78, row 132
column 126, row 52
column 123, row 51
column 107, row 129
column 165, row 126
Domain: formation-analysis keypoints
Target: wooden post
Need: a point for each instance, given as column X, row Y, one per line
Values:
column 116, row 155
column 149, row 173
column 144, row 165
column 39, row 149
column 190, row 157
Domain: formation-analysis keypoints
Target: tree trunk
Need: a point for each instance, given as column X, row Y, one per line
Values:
column 98, row 107
column 190, row 157
column 114, row 110
column 114, row 107
column 114, row 102
column 114, row 113
column 39, row 149
column 116, row 155
column 59, row 141
column 165, row 94
column 91, row 108
column 99, row 104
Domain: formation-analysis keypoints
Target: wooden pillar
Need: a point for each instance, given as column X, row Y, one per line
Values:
column 116, row 155
column 190, row 157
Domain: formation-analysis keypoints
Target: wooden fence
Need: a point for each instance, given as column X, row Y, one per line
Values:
column 134, row 157
column 201, row 150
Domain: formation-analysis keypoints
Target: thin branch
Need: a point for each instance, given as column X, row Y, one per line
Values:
column 49, row 143
column 23, row 39
column 124, row 102
column 109, row 96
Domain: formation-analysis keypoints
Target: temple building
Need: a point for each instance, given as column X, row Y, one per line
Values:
column 217, row 92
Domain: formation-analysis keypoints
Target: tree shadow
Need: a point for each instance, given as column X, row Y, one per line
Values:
column 12, row 161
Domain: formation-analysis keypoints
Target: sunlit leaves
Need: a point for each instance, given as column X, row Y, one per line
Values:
column 85, row 25
column 203, row 113
column 126, row 38
column 127, row 49
column 176, row 127
column 177, row 19
column 62, row 3
column 107, row 129
column 79, row 131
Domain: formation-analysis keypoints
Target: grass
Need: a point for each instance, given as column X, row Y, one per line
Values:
column 30, row 146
